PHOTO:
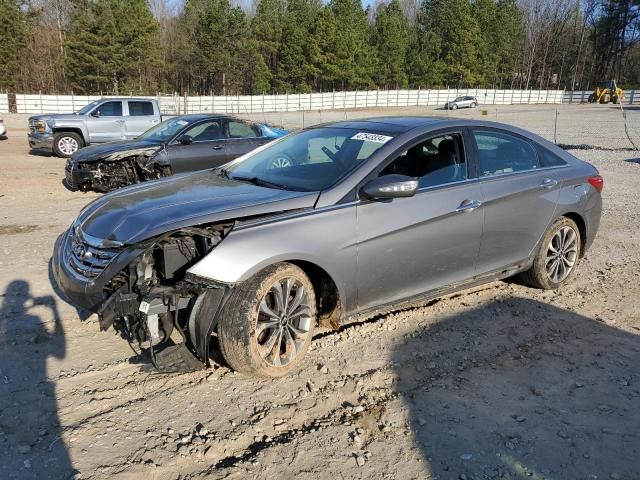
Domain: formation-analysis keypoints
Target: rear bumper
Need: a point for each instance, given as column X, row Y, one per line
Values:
column 40, row 141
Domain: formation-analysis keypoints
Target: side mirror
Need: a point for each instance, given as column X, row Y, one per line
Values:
column 390, row 186
column 186, row 139
column 96, row 113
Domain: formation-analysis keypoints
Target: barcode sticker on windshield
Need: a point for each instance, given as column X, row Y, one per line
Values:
column 371, row 137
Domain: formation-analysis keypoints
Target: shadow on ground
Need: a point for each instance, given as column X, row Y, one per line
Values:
column 633, row 160
column 30, row 433
column 521, row 389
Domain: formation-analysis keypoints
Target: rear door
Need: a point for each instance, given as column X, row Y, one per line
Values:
column 105, row 123
column 202, row 145
column 243, row 137
column 408, row 246
column 520, row 197
column 140, row 117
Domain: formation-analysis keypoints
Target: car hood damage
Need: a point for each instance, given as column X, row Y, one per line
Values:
column 115, row 151
column 139, row 212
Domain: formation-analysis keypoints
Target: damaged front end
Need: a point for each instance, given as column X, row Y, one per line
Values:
column 116, row 170
column 143, row 290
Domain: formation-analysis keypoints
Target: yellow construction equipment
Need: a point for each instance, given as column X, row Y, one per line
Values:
column 607, row 92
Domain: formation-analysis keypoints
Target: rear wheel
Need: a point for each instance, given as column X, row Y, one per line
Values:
column 66, row 144
column 267, row 324
column 557, row 256
column 615, row 99
column 474, row 105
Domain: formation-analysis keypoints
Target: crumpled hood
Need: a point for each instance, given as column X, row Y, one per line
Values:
column 142, row 211
column 115, row 150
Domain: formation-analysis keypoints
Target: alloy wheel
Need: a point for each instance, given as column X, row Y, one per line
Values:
column 68, row 145
column 562, row 253
column 284, row 321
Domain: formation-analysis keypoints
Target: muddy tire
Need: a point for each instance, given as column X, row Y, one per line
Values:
column 66, row 144
column 557, row 256
column 267, row 324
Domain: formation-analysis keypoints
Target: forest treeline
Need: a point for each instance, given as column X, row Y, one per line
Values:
column 217, row 46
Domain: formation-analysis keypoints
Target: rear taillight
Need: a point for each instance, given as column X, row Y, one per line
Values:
column 596, row 182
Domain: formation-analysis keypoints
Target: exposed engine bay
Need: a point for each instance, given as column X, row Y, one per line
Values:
column 152, row 296
column 116, row 170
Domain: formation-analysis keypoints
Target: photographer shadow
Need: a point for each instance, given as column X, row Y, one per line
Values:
column 31, row 444
column 522, row 389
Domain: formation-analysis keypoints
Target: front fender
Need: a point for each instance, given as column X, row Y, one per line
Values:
column 71, row 125
column 325, row 238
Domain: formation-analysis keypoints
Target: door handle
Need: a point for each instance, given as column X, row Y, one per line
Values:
column 217, row 147
column 119, row 121
column 468, row 206
column 548, row 183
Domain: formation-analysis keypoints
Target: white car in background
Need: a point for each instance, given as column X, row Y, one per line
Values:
column 3, row 130
column 461, row 102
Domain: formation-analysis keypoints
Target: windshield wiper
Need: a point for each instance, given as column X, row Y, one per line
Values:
column 260, row 182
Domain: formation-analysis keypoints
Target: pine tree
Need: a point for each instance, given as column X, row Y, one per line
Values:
column 346, row 59
column 221, row 31
column 14, row 29
column 110, row 46
column 448, row 30
column 390, row 38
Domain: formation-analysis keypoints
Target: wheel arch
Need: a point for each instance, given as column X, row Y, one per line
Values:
column 582, row 227
column 328, row 297
column 71, row 129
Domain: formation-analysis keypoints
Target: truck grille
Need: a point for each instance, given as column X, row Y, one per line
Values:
column 89, row 261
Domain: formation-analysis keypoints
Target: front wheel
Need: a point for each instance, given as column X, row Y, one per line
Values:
column 267, row 324
column 66, row 144
column 454, row 107
column 556, row 257
column 474, row 105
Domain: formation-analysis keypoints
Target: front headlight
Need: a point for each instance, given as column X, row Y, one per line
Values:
column 40, row 126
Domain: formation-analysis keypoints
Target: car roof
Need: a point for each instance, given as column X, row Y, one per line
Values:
column 395, row 125
column 203, row 116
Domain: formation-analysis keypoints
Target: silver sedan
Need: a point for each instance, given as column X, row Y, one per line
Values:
column 461, row 102
column 324, row 226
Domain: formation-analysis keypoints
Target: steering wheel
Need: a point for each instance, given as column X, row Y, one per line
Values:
column 282, row 160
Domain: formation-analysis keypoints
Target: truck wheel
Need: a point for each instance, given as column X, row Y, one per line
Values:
column 66, row 144
column 615, row 99
column 267, row 324
column 556, row 257
column 606, row 98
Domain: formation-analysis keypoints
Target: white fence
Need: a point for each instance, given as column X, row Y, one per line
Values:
column 175, row 104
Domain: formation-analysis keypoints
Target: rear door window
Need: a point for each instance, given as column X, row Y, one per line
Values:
column 140, row 109
column 110, row 109
column 241, row 130
column 500, row 153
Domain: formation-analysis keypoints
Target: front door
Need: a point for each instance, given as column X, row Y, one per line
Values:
column 520, row 198
column 106, row 122
column 207, row 147
column 408, row 246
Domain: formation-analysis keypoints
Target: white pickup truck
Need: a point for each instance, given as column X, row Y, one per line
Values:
column 105, row 120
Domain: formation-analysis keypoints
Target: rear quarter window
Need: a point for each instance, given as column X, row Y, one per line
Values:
column 549, row 159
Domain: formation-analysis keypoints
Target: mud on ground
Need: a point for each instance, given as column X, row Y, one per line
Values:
column 499, row 382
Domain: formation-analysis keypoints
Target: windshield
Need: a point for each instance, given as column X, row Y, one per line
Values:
column 310, row 160
column 166, row 130
column 87, row 108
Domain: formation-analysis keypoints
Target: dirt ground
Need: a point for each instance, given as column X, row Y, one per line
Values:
column 500, row 382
